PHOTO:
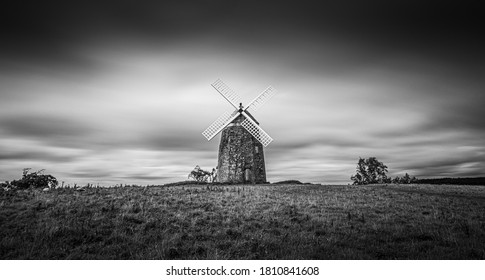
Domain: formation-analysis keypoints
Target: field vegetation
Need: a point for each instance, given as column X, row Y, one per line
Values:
column 272, row 221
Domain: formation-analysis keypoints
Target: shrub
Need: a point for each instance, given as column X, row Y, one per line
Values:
column 294, row 182
column 406, row 179
column 34, row 180
column 200, row 175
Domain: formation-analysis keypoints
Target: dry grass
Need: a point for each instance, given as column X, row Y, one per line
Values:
column 245, row 222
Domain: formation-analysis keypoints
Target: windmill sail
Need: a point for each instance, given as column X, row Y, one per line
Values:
column 256, row 131
column 261, row 99
column 227, row 93
column 248, row 123
column 219, row 124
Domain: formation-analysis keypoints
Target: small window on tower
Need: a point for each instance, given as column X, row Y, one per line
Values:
column 256, row 149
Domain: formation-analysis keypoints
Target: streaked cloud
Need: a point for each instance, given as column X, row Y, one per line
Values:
column 124, row 96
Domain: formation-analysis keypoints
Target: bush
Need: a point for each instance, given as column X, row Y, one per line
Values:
column 6, row 186
column 406, row 179
column 34, row 180
column 200, row 175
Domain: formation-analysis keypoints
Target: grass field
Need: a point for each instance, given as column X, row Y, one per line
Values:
column 245, row 222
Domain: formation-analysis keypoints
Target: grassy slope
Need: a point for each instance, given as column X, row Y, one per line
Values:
column 246, row 222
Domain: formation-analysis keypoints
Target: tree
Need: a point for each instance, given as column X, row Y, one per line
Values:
column 370, row 171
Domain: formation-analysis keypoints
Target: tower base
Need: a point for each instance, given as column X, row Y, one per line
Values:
column 241, row 157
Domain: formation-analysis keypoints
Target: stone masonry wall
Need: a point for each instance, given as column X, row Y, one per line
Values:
column 241, row 157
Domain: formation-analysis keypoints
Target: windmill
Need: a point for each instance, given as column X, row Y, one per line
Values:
column 241, row 157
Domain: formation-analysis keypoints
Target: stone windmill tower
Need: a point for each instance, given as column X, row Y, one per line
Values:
column 241, row 157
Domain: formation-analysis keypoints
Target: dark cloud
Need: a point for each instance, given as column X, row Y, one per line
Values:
column 171, row 139
column 463, row 115
column 43, row 127
column 306, row 142
column 50, row 157
column 443, row 161
column 452, row 170
column 144, row 177
column 90, row 174
column 60, row 131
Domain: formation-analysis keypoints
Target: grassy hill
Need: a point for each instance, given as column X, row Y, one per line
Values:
column 285, row 221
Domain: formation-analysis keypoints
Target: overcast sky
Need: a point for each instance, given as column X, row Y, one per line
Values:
column 116, row 92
